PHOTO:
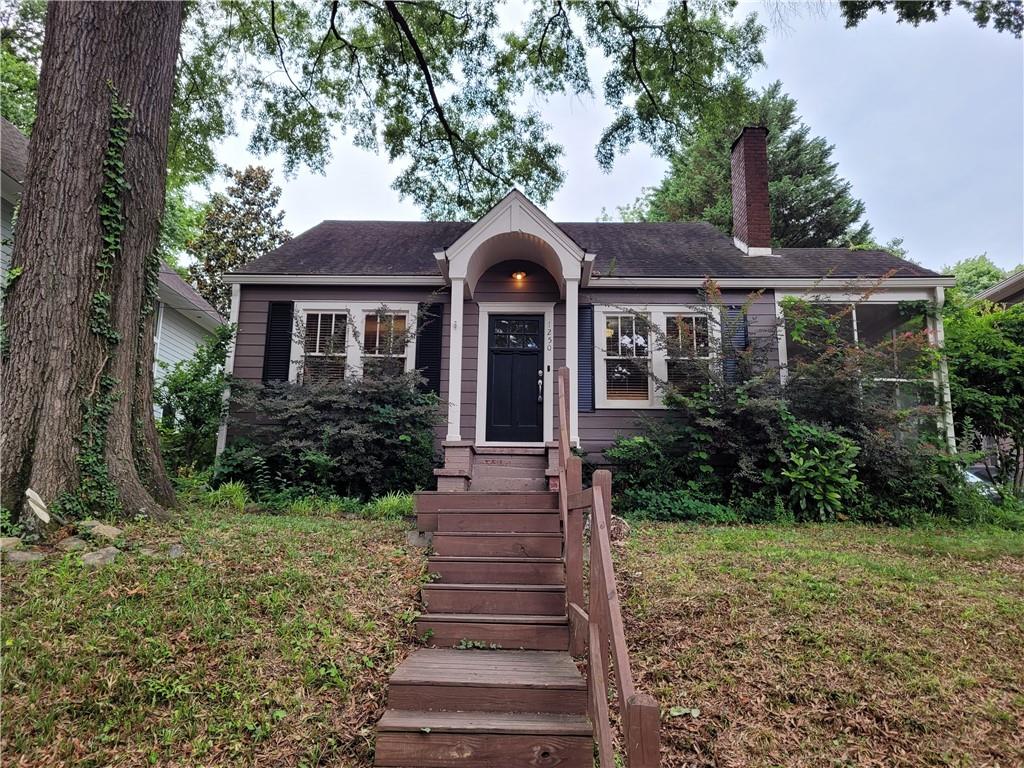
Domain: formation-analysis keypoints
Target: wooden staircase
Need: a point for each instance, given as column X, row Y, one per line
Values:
column 499, row 687
column 508, row 604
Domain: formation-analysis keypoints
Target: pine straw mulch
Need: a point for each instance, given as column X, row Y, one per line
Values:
column 829, row 645
column 269, row 643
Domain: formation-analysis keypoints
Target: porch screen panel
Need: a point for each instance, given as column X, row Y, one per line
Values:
column 278, row 345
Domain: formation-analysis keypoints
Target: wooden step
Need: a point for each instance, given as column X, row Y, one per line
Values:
column 530, row 632
column 427, row 503
column 483, row 739
column 509, row 521
column 497, row 570
column 538, row 599
column 522, row 484
column 488, row 681
column 475, row 544
column 510, row 470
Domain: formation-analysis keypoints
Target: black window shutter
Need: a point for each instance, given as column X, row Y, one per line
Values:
column 278, row 349
column 428, row 345
column 736, row 329
column 586, row 358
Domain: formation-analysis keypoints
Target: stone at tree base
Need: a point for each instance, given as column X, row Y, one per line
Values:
column 106, row 531
column 72, row 544
column 88, row 524
column 104, row 556
column 7, row 543
column 23, row 557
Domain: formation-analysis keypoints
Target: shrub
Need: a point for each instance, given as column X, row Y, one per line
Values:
column 357, row 437
column 390, row 506
column 229, row 496
column 191, row 399
column 820, row 470
column 677, row 504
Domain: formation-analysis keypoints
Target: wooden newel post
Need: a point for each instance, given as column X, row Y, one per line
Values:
column 574, row 557
column 642, row 725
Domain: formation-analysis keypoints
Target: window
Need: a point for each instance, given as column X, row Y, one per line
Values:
column 384, row 344
column 687, row 350
column 637, row 351
column 627, row 358
column 324, row 346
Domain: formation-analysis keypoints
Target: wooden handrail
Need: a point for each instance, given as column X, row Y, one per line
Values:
column 598, row 631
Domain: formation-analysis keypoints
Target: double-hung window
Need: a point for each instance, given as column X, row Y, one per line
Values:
column 641, row 351
column 324, row 349
column 385, row 337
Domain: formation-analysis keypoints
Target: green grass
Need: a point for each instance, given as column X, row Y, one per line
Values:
column 270, row 640
column 830, row 645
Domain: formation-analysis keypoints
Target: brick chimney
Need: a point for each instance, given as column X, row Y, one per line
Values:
column 751, row 220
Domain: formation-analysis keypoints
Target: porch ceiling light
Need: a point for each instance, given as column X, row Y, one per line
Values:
column 518, row 276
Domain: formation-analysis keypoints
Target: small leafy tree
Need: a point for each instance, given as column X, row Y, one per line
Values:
column 975, row 274
column 191, row 397
column 237, row 227
column 985, row 349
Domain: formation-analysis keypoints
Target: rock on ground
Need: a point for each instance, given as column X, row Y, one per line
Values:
column 106, row 531
column 104, row 556
column 72, row 544
column 175, row 551
column 23, row 557
column 7, row 543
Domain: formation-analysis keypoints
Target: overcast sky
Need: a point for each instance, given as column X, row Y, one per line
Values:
column 927, row 123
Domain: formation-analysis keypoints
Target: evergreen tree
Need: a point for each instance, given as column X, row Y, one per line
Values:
column 238, row 227
column 811, row 204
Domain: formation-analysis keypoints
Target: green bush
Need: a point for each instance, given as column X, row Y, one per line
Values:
column 228, row 496
column 821, row 473
column 354, row 438
column 390, row 506
column 677, row 504
column 191, row 399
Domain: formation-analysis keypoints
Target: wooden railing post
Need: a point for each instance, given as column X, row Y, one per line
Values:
column 574, row 556
column 641, row 723
column 603, row 480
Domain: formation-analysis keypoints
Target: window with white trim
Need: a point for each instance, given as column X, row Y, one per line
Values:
column 636, row 350
column 627, row 358
column 325, row 346
column 384, row 343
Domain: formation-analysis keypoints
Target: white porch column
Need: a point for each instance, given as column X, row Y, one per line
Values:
column 945, row 398
column 229, row 364
column 572, row 359
column 455, row 362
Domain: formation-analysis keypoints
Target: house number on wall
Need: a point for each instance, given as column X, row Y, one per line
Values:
column 550, row 339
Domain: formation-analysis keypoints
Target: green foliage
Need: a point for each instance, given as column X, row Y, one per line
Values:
column 811, row 205
column 21, row 42
column 390, row 506
column 821, row 471
column 1005, row 15
column 975, row 274
column 191, row 398
column 356, row 437
column 227, row 496
column 179, row 226
column 236, row 228
column 674, row 504
column 985, row 350
column 9, row 525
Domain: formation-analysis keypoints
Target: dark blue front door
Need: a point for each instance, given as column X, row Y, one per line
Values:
column 515, row 379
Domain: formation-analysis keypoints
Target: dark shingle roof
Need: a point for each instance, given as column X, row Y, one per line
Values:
column 648, row 249
column 13, row 151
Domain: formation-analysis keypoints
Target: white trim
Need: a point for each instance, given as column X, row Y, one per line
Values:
column 946, row 419
column 159, row 328
column 546, row 308
column 455, row 361
column 355, row 312
column 572, row 356
column 842, row 296
column 780, row 338
column 750, row 250
column 403, row 280
column 776, row 282
column 229, row 363
column 657, row 314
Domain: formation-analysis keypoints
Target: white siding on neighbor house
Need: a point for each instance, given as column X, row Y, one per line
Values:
column 177, row 338
column 6, row 220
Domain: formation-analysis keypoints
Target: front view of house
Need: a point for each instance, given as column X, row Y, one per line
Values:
column 489, row 310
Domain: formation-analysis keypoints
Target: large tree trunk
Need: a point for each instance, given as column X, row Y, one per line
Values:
column 58, row 371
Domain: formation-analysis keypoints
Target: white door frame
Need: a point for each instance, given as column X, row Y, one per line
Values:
column 545, row 308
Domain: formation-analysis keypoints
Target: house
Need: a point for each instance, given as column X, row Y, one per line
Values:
column 499, row 304
column 184, row 319
column 1010, row 290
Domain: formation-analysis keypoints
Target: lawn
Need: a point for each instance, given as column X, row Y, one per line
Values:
column 271, row 640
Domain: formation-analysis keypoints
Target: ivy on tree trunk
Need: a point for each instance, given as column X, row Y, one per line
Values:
column 76, row 379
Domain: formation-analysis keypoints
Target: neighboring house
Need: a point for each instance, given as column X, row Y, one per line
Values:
column 184, row 318
column 1007, row 291
column 519, row 295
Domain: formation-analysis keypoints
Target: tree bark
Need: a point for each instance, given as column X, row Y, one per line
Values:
column 54, row 361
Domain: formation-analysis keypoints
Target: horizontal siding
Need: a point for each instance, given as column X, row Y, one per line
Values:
column 6, row 235
column 179, row 337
